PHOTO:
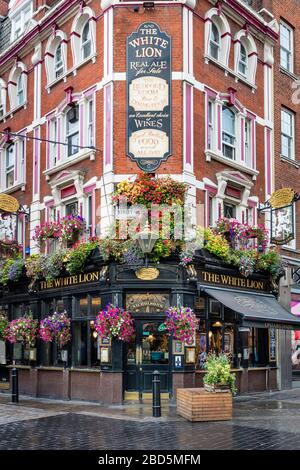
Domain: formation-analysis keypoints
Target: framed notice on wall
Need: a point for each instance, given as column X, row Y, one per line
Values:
column 272, row 344
column 149, row 81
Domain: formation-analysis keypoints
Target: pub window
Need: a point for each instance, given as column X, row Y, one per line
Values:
column 72, row 130
column 85, row 337
column 71, row 208
column 229, row 211
column 258, row 347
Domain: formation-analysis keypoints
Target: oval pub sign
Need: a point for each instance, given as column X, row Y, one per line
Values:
column 149, row 81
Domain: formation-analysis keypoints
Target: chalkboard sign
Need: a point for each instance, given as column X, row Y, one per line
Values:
column 272, row 345
column 149, row 81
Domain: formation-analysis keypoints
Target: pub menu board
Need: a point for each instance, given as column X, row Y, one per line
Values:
column 272, row 345
column 149, row 82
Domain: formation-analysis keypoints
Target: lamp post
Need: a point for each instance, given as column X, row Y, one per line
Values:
column 146, row 240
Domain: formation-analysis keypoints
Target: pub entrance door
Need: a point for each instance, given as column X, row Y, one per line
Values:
column 149, row 351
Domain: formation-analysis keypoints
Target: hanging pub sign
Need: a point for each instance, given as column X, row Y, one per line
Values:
column 149, row 81
column 8, row 203
column 282, row 216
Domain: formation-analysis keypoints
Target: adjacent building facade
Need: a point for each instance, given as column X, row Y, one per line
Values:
column 67, row 139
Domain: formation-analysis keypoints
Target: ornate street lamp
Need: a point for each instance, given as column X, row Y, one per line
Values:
column 146, row 240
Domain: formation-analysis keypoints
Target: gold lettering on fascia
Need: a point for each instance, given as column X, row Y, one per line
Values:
column 70, row 280
column 232, row 281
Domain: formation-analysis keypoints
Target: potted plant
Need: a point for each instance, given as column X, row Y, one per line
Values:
column 182, row 323
column 114, row 321
column 218, row 377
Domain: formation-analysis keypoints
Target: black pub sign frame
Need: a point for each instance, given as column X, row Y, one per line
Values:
column 149, row 96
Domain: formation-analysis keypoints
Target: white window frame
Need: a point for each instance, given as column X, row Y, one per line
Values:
column 80, row 21
column 23, row 15
column 59, row 66
column 53, row 131
column 213, row 43
column 243, row 62
column 20, row 90
column 231, row 136
column 87, row 42
column 289, row 52
column 291, row 136
column 10, row 169
column 90, row 113
column 70, row 134
column 211, row 126
column 248, row 143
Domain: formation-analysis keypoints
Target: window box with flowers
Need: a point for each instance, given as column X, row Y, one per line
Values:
column 10, row 248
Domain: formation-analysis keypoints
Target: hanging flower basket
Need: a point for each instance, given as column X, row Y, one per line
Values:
column 182, row 323
column 56, row 327
column 10, row 248
column 23, row 329
column 47, row 231
column 115, row 322
column 72, row 226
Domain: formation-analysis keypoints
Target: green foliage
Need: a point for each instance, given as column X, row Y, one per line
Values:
column 218, row 372
column 77, row 258
column 3, row 327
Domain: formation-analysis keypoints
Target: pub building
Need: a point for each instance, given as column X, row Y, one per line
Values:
column 238, row 315
column 94, row 92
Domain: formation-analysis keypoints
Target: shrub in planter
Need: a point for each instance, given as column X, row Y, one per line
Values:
column 76, row 259
column 218, row 372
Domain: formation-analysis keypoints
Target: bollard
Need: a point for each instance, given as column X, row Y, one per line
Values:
column 156, row 406
column 15, row 385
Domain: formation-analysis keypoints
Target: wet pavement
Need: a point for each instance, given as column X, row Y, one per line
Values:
column 261, row 421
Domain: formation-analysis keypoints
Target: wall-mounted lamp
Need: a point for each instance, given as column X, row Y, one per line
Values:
column 136, row 9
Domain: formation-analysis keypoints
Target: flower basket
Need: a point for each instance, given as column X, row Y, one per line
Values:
column 182, row 323
column 72, row 226
column 56, row 327
column 115, row 322
column 23, row 329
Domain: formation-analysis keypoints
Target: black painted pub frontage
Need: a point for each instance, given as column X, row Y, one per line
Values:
column 238, row 315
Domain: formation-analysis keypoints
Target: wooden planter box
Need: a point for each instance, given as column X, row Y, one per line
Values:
column 196, row 404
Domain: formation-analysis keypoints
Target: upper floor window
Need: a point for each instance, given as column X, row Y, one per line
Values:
column 20, row 19
column 86, row 44
column 83, row 35
column 17, row 85
column 58, row 62
column 10, row 166
column 2, row 98
column 286, row 47
column 243, row 62
column 245, row 55
column 247, row 142
column 56, row 56
column 90, row 123
column 20, row 90
column 217, row 36
column 214, row 47
column 287, row 134
column 228, row 133
column 72, row 130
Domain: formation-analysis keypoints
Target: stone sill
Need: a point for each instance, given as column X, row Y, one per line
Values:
column 77, row 369
column 211, row 155
column 73, row 70
column 91, row 154
column 238, row 77
column 14, row 188
column 289, row 74
column 290, row 161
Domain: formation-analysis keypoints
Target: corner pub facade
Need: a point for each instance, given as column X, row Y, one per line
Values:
column 66, row 73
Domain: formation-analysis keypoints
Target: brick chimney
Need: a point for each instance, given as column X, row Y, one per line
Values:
column 4, row 7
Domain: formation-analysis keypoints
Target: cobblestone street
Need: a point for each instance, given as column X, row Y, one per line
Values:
column 268, row 421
